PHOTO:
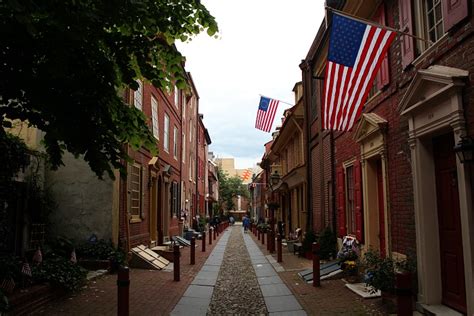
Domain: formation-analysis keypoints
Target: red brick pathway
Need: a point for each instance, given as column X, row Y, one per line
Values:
column 332, row 298
column 151, row 292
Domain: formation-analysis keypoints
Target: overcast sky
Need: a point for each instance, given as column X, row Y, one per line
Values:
column 260, row 45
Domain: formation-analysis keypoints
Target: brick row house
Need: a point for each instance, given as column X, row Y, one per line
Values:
column 159, row 194
column 286, row 157
column 394, row 181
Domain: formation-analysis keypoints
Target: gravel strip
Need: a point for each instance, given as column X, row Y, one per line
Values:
column 237, row 290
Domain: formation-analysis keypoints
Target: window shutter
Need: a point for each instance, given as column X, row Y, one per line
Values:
column 453, row 12
column 406, row 25
column 383, row 76
column 142, row 192
column 341, row 203
column 359, row 219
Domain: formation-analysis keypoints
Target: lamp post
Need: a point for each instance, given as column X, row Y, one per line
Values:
column 272, row 206
column 464, row 149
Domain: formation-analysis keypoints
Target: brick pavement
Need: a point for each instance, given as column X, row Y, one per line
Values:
column 151, row 292
column 332, row 298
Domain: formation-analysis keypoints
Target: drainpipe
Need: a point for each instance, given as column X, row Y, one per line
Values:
column 306, row 67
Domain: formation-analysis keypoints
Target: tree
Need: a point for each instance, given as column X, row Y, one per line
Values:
column 230, row 187
column 65, row 64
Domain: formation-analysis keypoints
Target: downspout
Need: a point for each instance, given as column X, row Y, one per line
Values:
column 305, row 66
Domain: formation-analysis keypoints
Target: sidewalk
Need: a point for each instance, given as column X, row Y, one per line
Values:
column 332, row 298
column 152, row 292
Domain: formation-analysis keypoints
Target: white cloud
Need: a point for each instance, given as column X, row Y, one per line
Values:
column 261, row 45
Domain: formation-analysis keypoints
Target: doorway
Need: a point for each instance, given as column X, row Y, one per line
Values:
column 449, row 222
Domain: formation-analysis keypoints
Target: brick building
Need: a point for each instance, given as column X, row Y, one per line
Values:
column 149, row 204
column 203, row 142
column 400, row 187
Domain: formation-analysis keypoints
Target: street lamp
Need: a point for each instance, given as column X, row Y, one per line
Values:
column 272, row 206
column 465, row 149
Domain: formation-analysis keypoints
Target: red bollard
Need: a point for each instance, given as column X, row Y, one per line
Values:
column 403, row 283
column 279, row 249
column 176, row 262
column 263, row 237
column 215, row 233
column 193, row 250
column 123, row 290
column 316, row 265
column 258, row 234
column 210, row 235
column 203, row 239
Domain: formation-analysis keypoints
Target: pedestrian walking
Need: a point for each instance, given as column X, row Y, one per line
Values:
column 246, row 223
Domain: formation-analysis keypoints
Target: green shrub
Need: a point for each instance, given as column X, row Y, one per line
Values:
column 60, row 272
column 380, row 271
column 10, row 267
column 309, row 238
column 100, row 250
column 327, row 241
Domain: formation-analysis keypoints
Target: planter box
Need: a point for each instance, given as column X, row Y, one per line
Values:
column 291, row 245
column 33, row 298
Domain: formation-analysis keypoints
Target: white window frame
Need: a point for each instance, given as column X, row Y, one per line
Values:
column 154, row 118
column 138, row 96
column 183, row 149
column 175, row 142
column 166, row 133
column 176, row 96
column 421, row 22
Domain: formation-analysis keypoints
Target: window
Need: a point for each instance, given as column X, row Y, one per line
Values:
column 176, row 96
column 429, row 19
column 166, row 136
column 350, row 200
column 138, row 96
column 190, row 130
column 135, row 188
column 175, row 143
column 183, row 149
column 174, row 188
column 183, row 104
column 190, row 168
column 154, row 117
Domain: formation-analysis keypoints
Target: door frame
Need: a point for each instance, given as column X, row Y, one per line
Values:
column 433, row 105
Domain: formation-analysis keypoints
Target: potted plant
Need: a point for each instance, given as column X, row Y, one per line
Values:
column 348, row 257
column 380, row 274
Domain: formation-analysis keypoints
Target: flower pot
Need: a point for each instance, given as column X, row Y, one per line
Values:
column 389, row 300
column 290, row 244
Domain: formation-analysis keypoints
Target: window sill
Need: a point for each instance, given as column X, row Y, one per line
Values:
column 422, row 57
column 135, row 219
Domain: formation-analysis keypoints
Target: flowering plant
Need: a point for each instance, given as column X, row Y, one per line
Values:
column 350, row 266
column 350, row 250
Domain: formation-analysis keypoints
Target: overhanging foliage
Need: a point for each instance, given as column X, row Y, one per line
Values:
column 64, row 65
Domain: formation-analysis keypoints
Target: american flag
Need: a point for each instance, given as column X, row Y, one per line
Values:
column 356, row 51
column 266, row 113
column 26, row 269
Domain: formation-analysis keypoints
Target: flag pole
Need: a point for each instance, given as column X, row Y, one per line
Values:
column 356, row 18
column 276, row 99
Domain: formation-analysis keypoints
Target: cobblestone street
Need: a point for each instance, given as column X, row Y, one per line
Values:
column 235, row 276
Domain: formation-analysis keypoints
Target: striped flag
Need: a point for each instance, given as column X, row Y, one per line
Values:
column 26, row 269
column 356, row 51
column 266, row 113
